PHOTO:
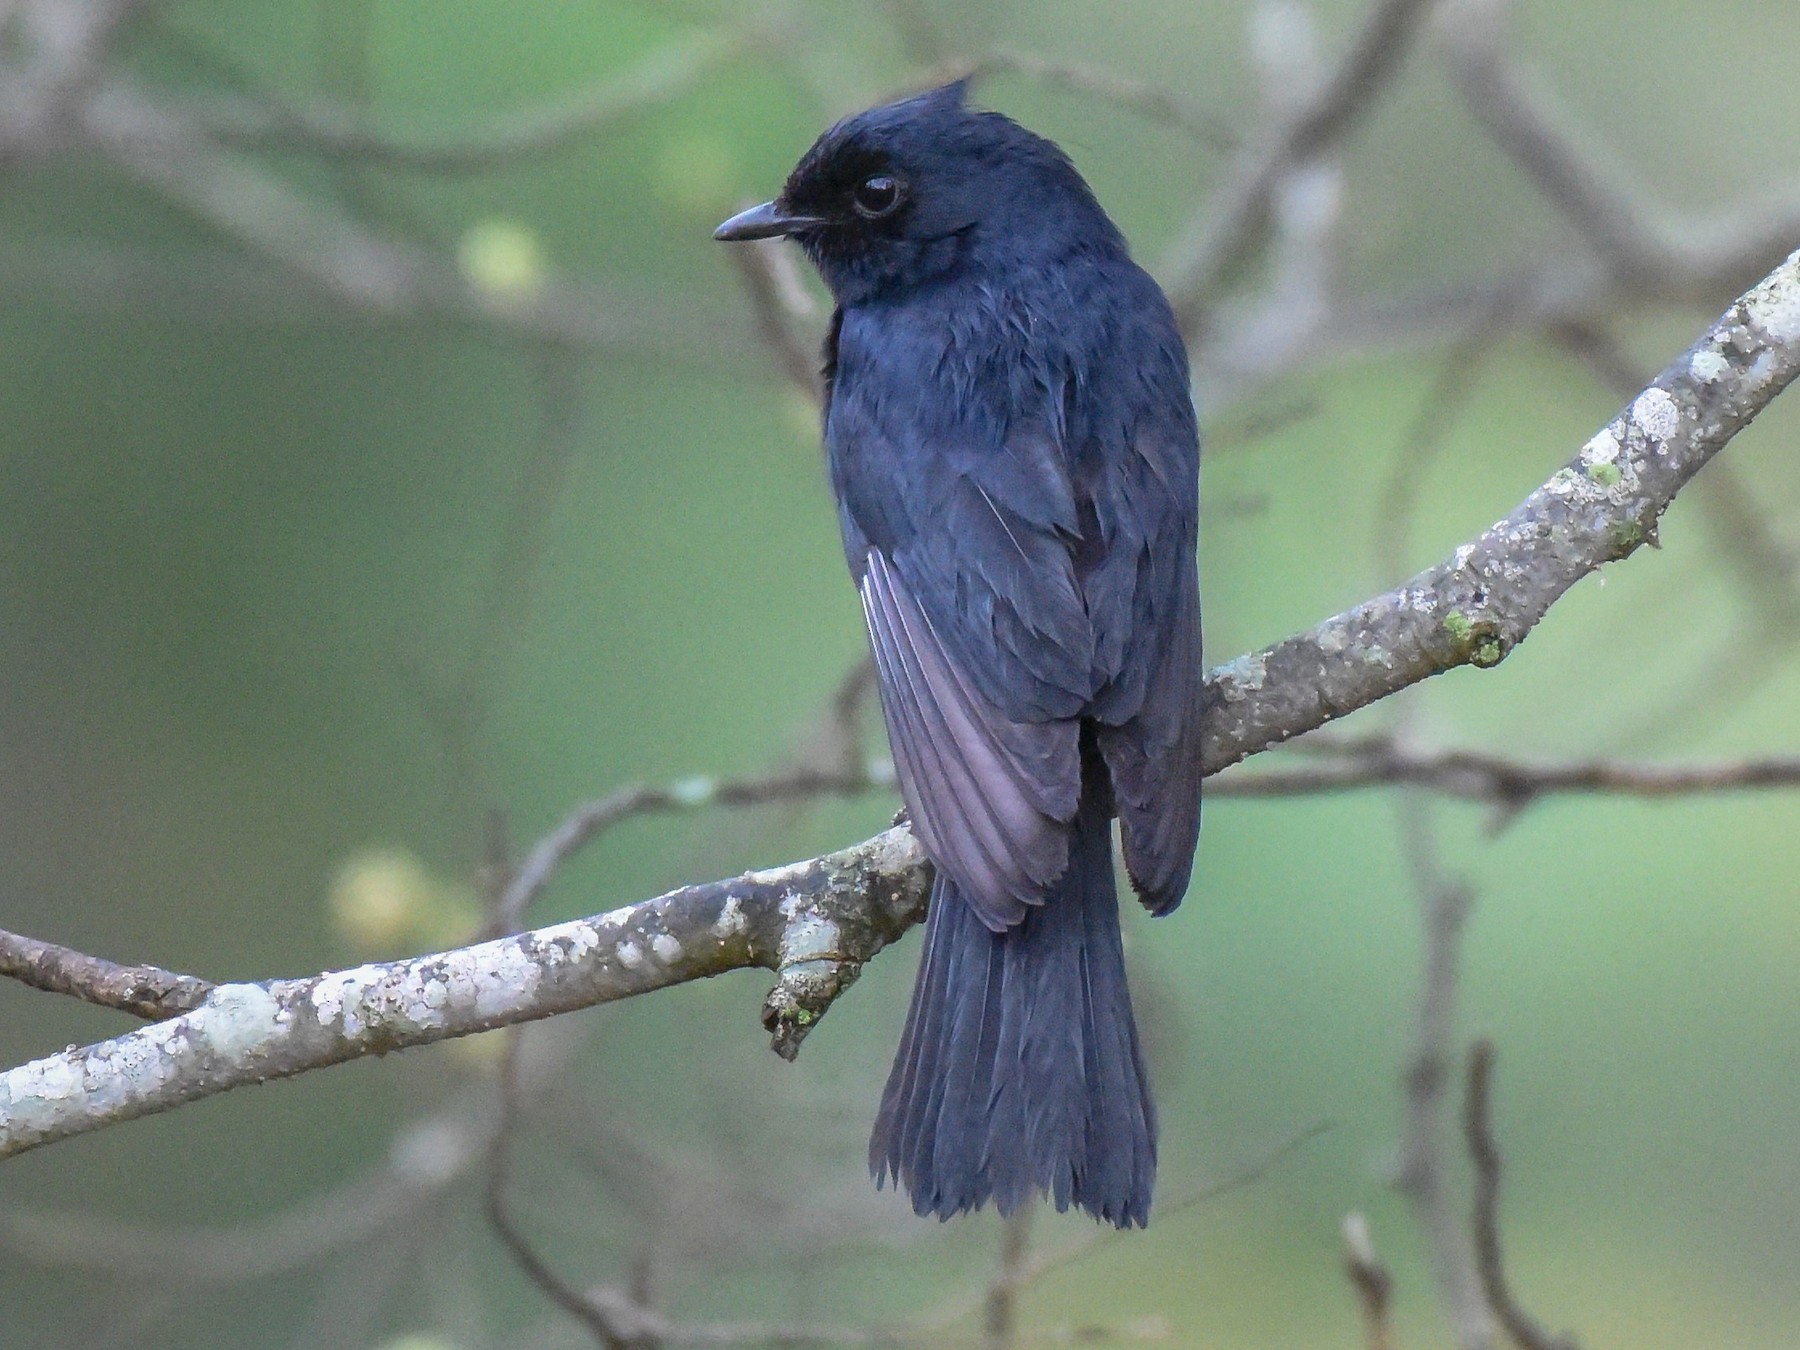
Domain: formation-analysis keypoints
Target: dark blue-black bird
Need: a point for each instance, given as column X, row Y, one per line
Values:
column 1013, row 446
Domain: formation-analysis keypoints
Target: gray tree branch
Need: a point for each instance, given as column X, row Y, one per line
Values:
column 143, row 991
column 1475, row 606
column 816, row 922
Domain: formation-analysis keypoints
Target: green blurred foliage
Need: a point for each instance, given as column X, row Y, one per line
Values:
column 243, row 556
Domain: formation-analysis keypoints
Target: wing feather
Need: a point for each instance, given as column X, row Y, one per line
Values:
column 1154, row 760
column 990, row 798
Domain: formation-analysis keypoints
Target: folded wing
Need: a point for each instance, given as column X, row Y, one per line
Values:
column 990, row 797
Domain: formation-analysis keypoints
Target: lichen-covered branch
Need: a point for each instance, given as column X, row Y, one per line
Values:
column 1475, row 606
column 817, row 922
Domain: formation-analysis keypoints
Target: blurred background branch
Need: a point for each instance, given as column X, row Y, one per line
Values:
column 324, row 323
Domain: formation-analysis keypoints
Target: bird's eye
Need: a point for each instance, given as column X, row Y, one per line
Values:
column 877, row 195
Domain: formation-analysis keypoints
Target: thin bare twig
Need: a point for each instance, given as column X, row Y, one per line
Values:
column 425, row 1159
column 1516, row 111
column 1233, row 221
column 589, row 821
column 1035, row 1268
column 1641, row 249
column 844, row 726
column 1372, row 1281
column 1419, row 1168
column 772, row 288
column 1152, row 102
column 496, row 1203
column 343, row 134
column 1256, row 425
column 148, row 992
column 1001, row 1311
column 1484, row 1152
column 1479, row 776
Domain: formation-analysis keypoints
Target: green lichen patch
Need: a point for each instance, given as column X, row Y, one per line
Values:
column 1477, row 641
column 1626, row 535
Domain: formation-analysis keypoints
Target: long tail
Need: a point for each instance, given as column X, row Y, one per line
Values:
column 1019, row 1073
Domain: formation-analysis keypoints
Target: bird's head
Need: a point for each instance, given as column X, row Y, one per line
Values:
column 911, row 192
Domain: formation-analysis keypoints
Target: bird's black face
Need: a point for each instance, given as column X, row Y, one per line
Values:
column 895, row 197
column 867, row 213
column 858, row 193
column 854, row 203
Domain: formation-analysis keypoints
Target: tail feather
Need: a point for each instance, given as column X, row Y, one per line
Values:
column 906, row 1103
column 1121, row 1136
column 978, row 975
column 1019, row 1072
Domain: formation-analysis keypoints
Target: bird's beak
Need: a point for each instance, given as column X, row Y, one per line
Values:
column 767, row 221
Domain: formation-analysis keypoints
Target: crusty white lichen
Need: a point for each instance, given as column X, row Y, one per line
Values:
column 427, row 1009
column 810, row 937
column 1602, row 448
column 1708, row 366
column 1657, row 415
column 483, row 982
column 1247, row 672
column 506, row 980
column 38, row 1099
column 894, row 851
column 337, row 999
column 731, row 920
column 35, row 1095
column 569, row 943
column 1775, row 305
column 236, row 1021
column 1762, row 370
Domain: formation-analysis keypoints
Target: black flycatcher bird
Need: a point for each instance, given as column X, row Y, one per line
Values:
column 1013, row 447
